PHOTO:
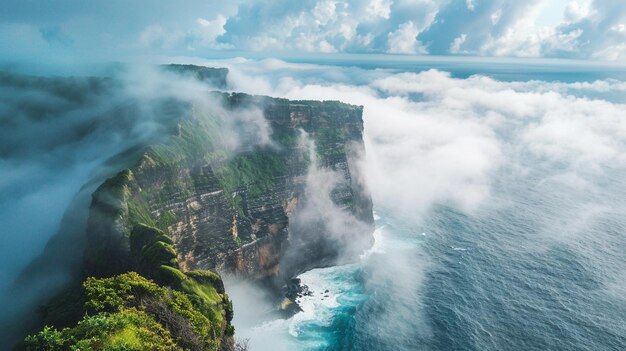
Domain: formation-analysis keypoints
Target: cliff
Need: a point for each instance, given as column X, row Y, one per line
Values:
column 240, row 211
column 259, row 187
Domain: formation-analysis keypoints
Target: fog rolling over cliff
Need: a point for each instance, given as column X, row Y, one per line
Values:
column 223, row 174
column 231, row 209
column 58, row 135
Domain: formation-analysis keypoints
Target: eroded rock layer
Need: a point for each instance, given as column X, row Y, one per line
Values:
column 256, row 209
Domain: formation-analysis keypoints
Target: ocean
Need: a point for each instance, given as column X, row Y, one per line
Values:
column 538, row 262
column 490, row 281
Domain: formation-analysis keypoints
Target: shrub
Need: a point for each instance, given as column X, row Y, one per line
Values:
column 196, row 312
column 115, row 293
column 129, row 330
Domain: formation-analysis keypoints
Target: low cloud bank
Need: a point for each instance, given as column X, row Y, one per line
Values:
column 432, row 138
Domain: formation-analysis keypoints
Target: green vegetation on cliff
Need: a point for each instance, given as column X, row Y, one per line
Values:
column 130, row 329
column 254, row 171
column 195, row 140
column 130, row 312
column 158, row 308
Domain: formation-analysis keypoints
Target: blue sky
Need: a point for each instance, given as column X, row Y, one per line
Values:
column 115, row 29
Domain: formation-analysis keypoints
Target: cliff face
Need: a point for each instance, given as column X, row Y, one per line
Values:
column 259, row 187
column 257, row 211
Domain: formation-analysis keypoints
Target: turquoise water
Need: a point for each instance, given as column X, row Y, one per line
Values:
column 367, row 300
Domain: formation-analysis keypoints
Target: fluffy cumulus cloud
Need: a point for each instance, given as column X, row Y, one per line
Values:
column 402, row 41
column 536, row 28
column 331, row 25
column 202, row 35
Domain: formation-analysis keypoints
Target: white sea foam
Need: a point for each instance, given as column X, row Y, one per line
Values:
column 328, row 286
column 317, row 306
column 377, row 247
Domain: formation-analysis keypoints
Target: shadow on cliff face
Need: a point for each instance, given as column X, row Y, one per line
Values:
column 61, row 137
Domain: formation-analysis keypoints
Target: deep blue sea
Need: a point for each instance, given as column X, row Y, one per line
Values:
column 495, row 280
column 490, row 281
column 539, row 264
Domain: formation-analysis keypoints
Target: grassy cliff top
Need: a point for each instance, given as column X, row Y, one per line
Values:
column 130, row 312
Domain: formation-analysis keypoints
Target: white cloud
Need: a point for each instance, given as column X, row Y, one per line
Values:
column 470, row 5
column 332, row 25
column 157, row 36
column 455, row 48
column 210, row 30
column 621, row 28
column 326, row 47
column 523, row 37
column 577, row 10
column 611, row 53
column 554, row 123
column 379, row 8
column 204, row 34
column 404, row 40
column 587, row 29
column 536, row 28
column 577, row 130
column 445, row 147
column 495, row 17
column 325, row 11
